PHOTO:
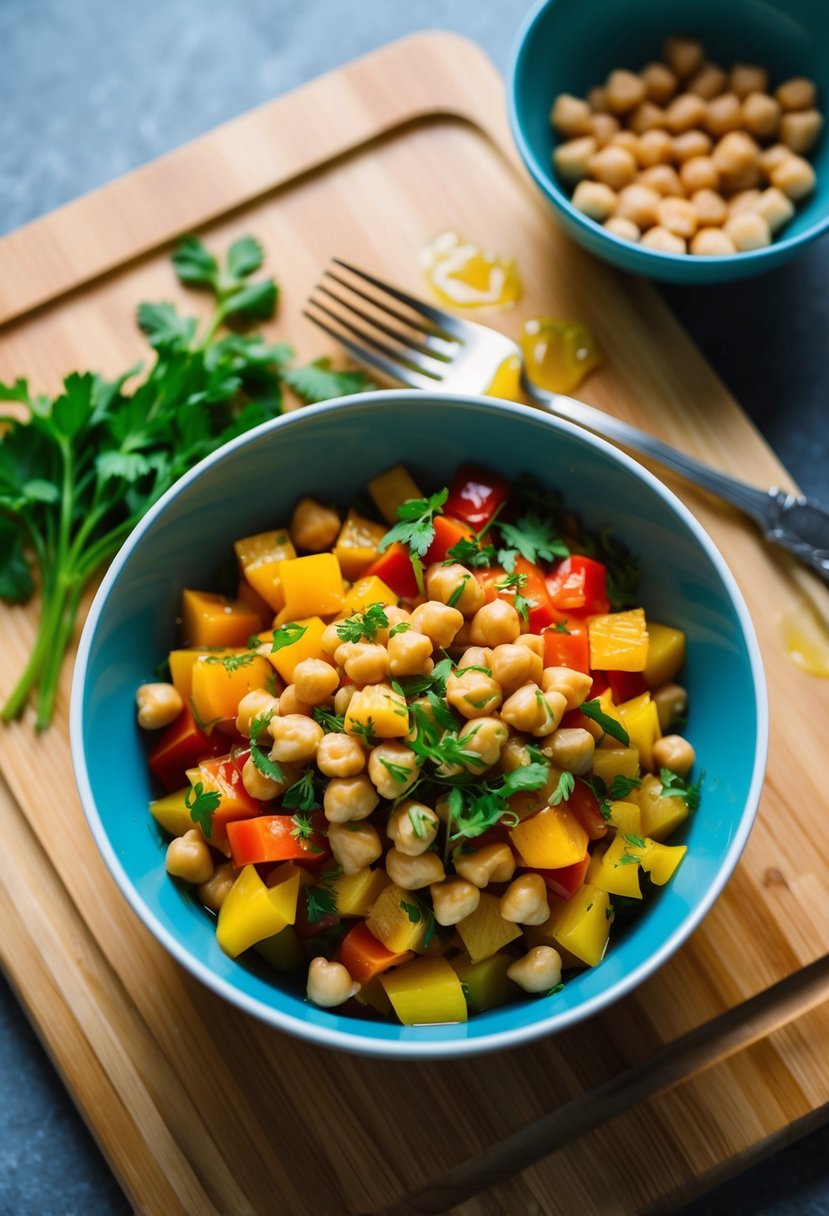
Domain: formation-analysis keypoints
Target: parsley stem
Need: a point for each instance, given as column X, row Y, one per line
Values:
column 50, row 676
column 49, row 620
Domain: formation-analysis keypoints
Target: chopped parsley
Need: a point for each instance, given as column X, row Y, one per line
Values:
column 677, row 787
column 621, row 786
column 261, row 759
column 415, row 528
column 232, row 662
column 535, row 538
column 565, row 787
column 400, row 627
column 416, row 916
column 201, row 804
column 471, row 555
column 458, row 592
column 593, row 710
column 286, row 635
column 303, row 795
column 363, row 624
column 304, row 831
column 330, row 722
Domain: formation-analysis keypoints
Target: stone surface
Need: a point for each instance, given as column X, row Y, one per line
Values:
column 92, row 88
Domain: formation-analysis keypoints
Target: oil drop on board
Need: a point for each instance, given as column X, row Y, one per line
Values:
column 805, row 635
column 465, row 275
column 558, row 354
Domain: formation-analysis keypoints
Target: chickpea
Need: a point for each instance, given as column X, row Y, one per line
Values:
column 684, row 113
column 722, row 115
column 442, row 583
column 438, row 621
column 473, row 694
column 313, row 526
column 570, row 163
column 748, row 78
column 663, row 240
column 258, row 785
column 655, row 148
column 475, row 656
column 774, row 207
column 295, row 737
column 534, row 641
column 453, row 900
column 412, row 827
column 796, row 94
column 660, row 83
column 603, row 127
column 691, row 143
column 678, row 216
column 674, row 753
column 795, row 177
column 748, row 230
column 597, row 99
column 331, row 640
column 571, row 748
column 255, row 704
column 392, row 766
column 638, row 203
column 158, row 705
column 627, row 140
column 664, row 179
column 710, row 207
column 733, row 183
column 495, row 624
column 683, row 55
column 594, row 199
column 329, row 984
column 339, row 755
column 709, row 82
column 735, row 153
column 671, row 703
column 314, row 681
column 699, row 173
column 525, row 901
column 413, row 873
column 770, row 158
column 761, row 114
column 343, row 697
column 354, row 845
column 613, row 166
column 712, row 242
column 289, row 703
column 189, row 858
column 646, row 117
column 215, row 891
column 408, row 652
column 570, row 116
column 514, row 753
column 746, row 200
column 800, row 130
column 573, row 685
column 492, row 863
column 538, row 971
column 533, row 711
column 364, row 662
column 623, row 91
column 626, row 229
column 348, row 799
column 485, row 737
column 514, row 665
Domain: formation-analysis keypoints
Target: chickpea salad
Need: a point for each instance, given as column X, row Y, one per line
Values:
column 426, row 757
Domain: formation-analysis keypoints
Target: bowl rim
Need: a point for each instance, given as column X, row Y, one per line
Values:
column 549, row 186
column 361, row 1043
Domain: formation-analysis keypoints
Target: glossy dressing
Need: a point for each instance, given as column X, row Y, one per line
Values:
column 465, row 275
column 558, row 354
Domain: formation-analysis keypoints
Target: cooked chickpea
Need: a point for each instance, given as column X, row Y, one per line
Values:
column 392, row 766
column 613, row 166
column 492, row 863
column 216, row 889
column 354, row 845
column 794, row 177
column 475, row 656
column 678, row 216
column 314, row 681
column 570, row 161
column 746, row 78
column 655, row 148
column 594, row 199
column 671, row 703
column 748, row 230
column 709, row 82
column 343, row 697
column 796, row 94
column 533, row 711
column 638, row 203
column 745, row 200
column 723, row 114
column 710, row 207
column 254, row 704
column 571, row 748
column 453, row 900
column 699, row 173
column 660, row 82
column 683, row 55
column 538, row 971
column 570, row 116
column 258, row 785
column 662, row 240
column 734, row 153
column 289, row 703
column 347, row 799
column 684, row 113
column 775, row 208
column 771, row 157
column 627, row 140
column 331, row 640
column 674, row 753
column 442, row 583
column 691, row 143
column 513, row 665
column 438, row 621
column 189, row 858
column 626, row 229
column 646, row 117
column 525, row 901
column 329, row 984
column 295, row 737
column 413, row 873
column 573, row 685
column 339, row 755
column 473, row 694
column 800, row 130
column 158, row 705
column 761, row 114
column 313, row 526
column 408, row 652
column 712, row 242
column 603, row 127
column 495, row 624
column 412, row 827
column 597, row 99
column 664, row 179
column 364, row 662
column 623, row 91
column 485, row 737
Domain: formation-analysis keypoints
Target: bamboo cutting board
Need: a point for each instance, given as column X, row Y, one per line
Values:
column 202, row 1111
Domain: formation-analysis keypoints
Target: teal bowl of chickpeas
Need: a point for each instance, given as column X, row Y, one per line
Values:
column 682, row 142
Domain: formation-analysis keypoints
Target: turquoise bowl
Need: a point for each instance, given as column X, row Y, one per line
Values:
column 332, row 450
column 567, row 46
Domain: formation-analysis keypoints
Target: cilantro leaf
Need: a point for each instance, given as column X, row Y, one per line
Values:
column 363, row 624
column 304, row 831
column 286, row 635
column 415, row 528
column 471, row 555
column 194, row 264
column 244, row 256
column 232, row 662
column 164, row 328
column 535, row 538
column 330, row 722
column 678, row 787
column 593, row 710
column 565, row 787
column 303, row 795
column 621, row 786
column 201, row 804
column 320, row 902
column 319, row 381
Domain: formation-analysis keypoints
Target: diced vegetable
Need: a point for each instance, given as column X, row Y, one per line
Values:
column 618, row 641
column 390, row 920
column 641, row 721
column 666, row 654
column 485, row 931
column 565, row 881
column 579, row 584
column 424, row 992
column 308, row 645
column 367, row 591
column 662, row 813
column 616, row 868
column 581, row 925
column 259, row 557
column 585, row 806
column 275, row 838
column 448, row 533
column 474, row 496
column 356, row 893
column 171, row 812
column 378, row 710
column 627, row 817
column 181, row 667
column 313, row 586
column 252, row 912
column 364, row 956
column 220, row 681
column 357, row 544
column 566, row 645
column 214, row 620
column 283, row 951
column 394, row 567
column 551, row 839
column 179, row 748
column 612, row 762
column 661, row 861
column 485, row 984
column 391, row 489
column 224, row 775
column 625, row 685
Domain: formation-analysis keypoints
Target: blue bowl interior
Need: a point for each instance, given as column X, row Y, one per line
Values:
column 568, row 46
column 332, row 451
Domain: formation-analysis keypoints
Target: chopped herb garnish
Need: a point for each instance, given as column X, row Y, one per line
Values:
column 363, row 624
column 320, row 901
column 552, row 991
column 330, row 722
column 471, row 555
column 458, row 592
column 364, row 731
column 535, row 538
column 418, row 819
column 201, row 804
column 263, row 762
column 303, row 831
column 286, row 635
column 303, row 795
column 253, row 642
column 416, row 529
column 231, row 662
column 678, row 787
column 597, row 785
column 417, row 915
column 400, row 627
column 400, row 772
column 633, row 839
column 474, row 808
column 560, row 627
column 594, row 711
column 565, row 787
column 621, row 786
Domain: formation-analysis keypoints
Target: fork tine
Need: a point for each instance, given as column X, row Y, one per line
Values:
column 404, row 339
column 445, row 320
column 405, row 357
column 430, row 337
column 362, row 355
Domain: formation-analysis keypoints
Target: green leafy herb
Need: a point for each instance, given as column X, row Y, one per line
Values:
column 458, row 592
column 515, row 582
column 320, row 902
column 594, row 711
column 560, row 627
column 232, row 662
column 416, row 529
column 253, row 642
column 417, row 915
column 597, row 785
column 319, row 381
column 678, row 787
column 632, row 838
column 330, row 723
column 303, row 795
column 364, row 731
column 304, row 831
column 475, row 808
column 400, row 627
column 286, row 635
column 621, row 786
column 201, row 804
column 400, row 773
column 535, row 538
column 261, row 759
column 628, row 859
column 623, row 569
column 419, row 821
column 565, row 787
column 435, row 682
column 363, row 624
column 271, row 684
column 552, row 991
column 471, row 555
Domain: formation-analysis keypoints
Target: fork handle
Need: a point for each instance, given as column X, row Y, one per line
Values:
column 794, row 522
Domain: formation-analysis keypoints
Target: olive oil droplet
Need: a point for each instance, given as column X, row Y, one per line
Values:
column 465, row 275
column 806, row 638
column 558, row 354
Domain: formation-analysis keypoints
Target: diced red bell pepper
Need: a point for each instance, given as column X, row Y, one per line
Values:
column 567, row 645
column 475, row 495
column 274, row 838
column 541, row 612
column 585, row 806
column 364, row 957
column 565, row 881
column 447, row 534
column 395, row 568
column 489, row 577
column 181, row 747
column 600, row 684
column 574, row 718
column 224, row 774
column 579, row 584
column 625, row 685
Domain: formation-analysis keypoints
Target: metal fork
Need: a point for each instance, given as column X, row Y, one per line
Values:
column 423, row 346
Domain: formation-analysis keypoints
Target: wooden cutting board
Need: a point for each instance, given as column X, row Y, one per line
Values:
column 201, row 1110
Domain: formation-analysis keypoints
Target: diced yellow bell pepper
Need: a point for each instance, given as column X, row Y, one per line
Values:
column 616, row 868
column 373, row 996
column 214, row 620
column 607, row 707
column 611, row 762
column 391, row 489
column 368, row 590
column 356, row 893
column 618, row 641
column 581, row 925
column 666, row 654
column 171, row 813
column 251, row 911
column 627, row 817
column 259, row 557
column 641, row 721
column 551, row 839
column 283, row 951
column 543, row 935
column 377, row 708
column 425, row 992
column 181, row 667
column 661, row 861
column 357, row 544
column 220, row 681
column 313, row 586
column 486, row 984
column 309, row 646
column 662, row 814
column 485, row 931
column 390, row 922
column 526, row 804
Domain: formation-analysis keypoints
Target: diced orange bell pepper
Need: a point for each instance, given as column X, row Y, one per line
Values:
column 380, row 709
column 364, row 957
column 181, row 664
column 259, row 557
column 566, row 645
column 308, row 646
column 618, row 641
column 214, row 620
column 274, row 838
column 541, row 611
column 366, row 591
column 253, row 599
column 224, row 774
column 356, row 546
column 180, row 747
column 448, row 532
column 313, row 586
column 551, row 839
column 394, row 567
column 220, row 681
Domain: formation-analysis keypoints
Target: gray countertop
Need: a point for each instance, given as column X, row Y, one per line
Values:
column 92, row 88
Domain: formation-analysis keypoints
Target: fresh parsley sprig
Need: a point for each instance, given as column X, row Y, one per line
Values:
column 202, row 804
column 416, row 529
column 677, row 787
column 593, row 710
column 261, row 759
column 363, row 624
column 535, row 538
